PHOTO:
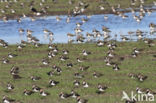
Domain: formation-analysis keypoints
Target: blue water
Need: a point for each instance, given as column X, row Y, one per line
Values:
column 9, row 31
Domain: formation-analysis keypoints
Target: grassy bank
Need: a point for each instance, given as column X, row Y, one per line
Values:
column 61, row 7
column 29, row 60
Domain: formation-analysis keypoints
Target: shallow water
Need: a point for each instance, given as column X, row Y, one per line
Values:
column 9, row 31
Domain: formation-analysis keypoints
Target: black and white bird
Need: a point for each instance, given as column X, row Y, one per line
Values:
column 45, row 61
column 76, row 83
column 65, row 52
column 64, row 95
column 27, row 92
column 132, row 75
column 5, row 61
column 11, row 55
column 63, row 58
column 74, row 94
column 78, row 75
column 35, row 78
column 10, row 86
column 43, row 93
column 85, row 84
column 100, row 43
column 14, row 70
column 135, row 50
column 134, row 54
column 109, row 63
column 83, row 68
column 101, row 89
column 69, row 65
column 85, row 53
column 141, row 77
column 53, row 83
column 57, row 69
column 35, row 11
column 97, row 75
column 36, row 88
column 79, row 60
column 150, row 92
column 140, row 90
column 110, row 54
column 115, row 67
column 80, row 100
column 20, row 46
column 6, row 99
column 51, row 73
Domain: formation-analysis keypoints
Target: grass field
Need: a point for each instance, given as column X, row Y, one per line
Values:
column 63, row 7
column 29, row 60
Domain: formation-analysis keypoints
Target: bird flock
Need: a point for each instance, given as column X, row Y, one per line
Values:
column 93, row 37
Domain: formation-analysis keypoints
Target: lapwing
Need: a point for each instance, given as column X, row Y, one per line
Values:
column 150, row 92
column 6, row 99
column 80, row 100
column 97, row 75
column 65, row 52
column 35, row 78
column 76, row 83
column 74, row 94
column 36, row 88
column 85, row 53
column 140, row 90
column 14, row 70
column 63, row 58
column 5, row 60
column 85, row 84
column 20, row 46
column 27, row 92
column 78, row 24
column 43, row 93
column 100, row 43
column 53, row 83
column 64, row 95
column 132, row 75
column 101, row 89
column 51, row 73
column 69, row 65
column 58, row 18
column 101, row 7
column 11, row 55
column 141, row 77
column 78, row 75
column 83, row 68
column 115, row 67
column 79, row 60
column 134, row 54
column 10, row 86
column 20, row 30
column 45, row 61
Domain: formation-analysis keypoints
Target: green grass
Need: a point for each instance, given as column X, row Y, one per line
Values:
column 29, row 61
column 62, row 6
